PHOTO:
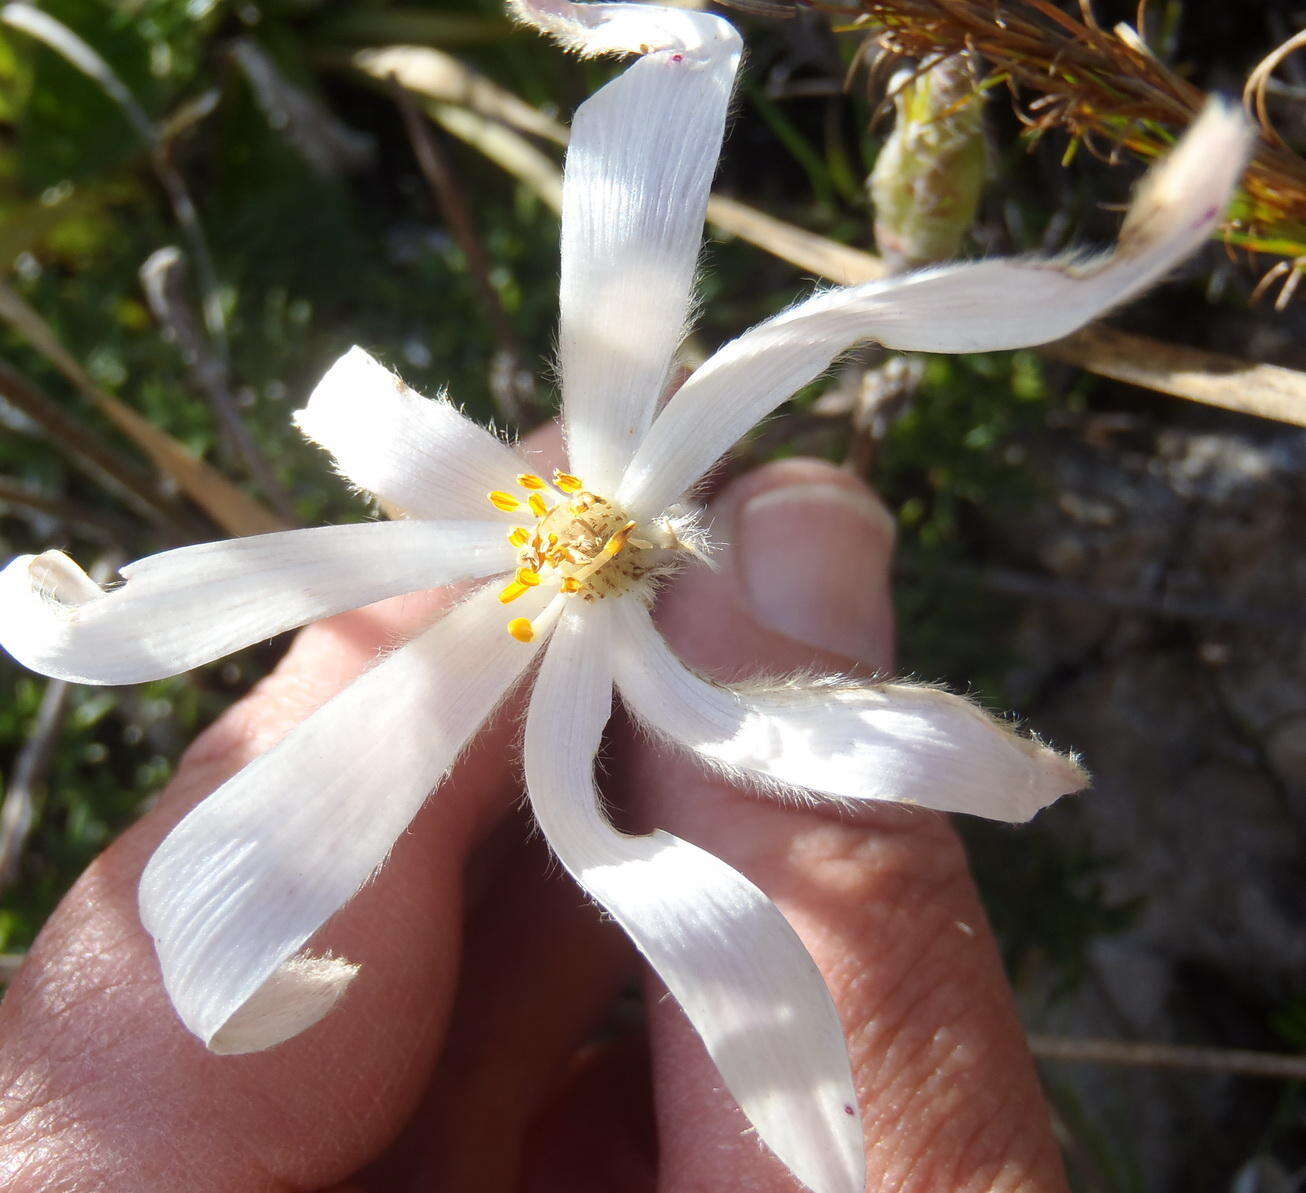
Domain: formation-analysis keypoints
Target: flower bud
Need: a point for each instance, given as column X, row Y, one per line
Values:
column 927, row 180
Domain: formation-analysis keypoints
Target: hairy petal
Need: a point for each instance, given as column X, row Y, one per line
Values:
column 847, row 741
column 239, row 886
column 722, row 948
column 591, row 30
column 417, row 454
column 298, row 994
column 194, row 604
column 639, row 166
column 974, row 307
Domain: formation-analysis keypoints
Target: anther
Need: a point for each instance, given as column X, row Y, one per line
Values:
column 504, row 501
column 512, row 591
column 527, row 577
column 539, row 507
column 566, row 482
column 617, row 542
column 612, row 547
column 528, row 631
column 528, row 480
column 520, row 537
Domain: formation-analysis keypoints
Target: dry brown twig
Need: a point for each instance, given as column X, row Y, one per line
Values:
column 493, row 120
column 1103, row 85
column 88, row 452
column 163, row 278
column 1154, row 1055
column 236, row 512
column 97, row 523
column 510, row 381
column 18, row 811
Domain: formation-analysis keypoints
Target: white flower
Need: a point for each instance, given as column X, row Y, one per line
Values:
column 242, row 884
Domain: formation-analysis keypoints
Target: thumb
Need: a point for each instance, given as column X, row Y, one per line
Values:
column 883, row 902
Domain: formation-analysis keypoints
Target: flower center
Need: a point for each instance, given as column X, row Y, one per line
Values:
column 579, row 541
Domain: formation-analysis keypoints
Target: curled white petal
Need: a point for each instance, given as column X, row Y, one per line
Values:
column 639, row 166
column 243, row 882
column 595, row 29
column 298, row 994
column 417, row 454
column 191, row 605
column 886, row 741
column 973, row 307
column 724, row 951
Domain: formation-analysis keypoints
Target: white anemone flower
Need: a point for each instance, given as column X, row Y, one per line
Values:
column 235, row 894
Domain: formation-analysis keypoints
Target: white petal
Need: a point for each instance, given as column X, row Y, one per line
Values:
column 418, row 454
column 194, row 604
column 594, row 29
column 980, row 306
column 722, row 948
column 642, row 154
column 298, row 994
column 885, row 741
column 240, row 885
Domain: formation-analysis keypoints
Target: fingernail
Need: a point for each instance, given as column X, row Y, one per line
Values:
column 814, row 562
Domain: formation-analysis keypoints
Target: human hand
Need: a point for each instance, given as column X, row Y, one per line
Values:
column 451, row 1063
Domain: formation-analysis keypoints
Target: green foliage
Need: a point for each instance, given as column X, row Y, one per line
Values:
column 949, row 458
column 115, row 749
column 1048, row 906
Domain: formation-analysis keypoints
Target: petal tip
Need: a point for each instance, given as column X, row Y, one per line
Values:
column 299, row 994
column 39, row 595
column 1051, row 775
column 335, row 397
column 1186, row 193
column 591, row 30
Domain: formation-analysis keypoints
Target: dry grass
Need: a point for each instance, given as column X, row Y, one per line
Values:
column 1106, row 89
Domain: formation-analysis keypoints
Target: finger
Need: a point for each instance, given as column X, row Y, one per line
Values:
column 884, row 902
column 103, row 1086
column 598, row 1136
column 540, row 971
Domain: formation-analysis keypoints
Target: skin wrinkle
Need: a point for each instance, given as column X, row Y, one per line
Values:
column 981, row 1155
column 103, row 1087
column 976, row 1159
column 971, row 1042
column 913, row 1045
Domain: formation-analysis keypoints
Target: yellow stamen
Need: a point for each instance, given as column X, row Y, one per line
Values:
column 571, row 584
column 538, row 506
column 512, row 592
column 617, row 542
column 528, row 577
column 504, row 501
column 612, row 547
column 528, row 480
column 520, row 537
column 521, row 629
column 566, row 482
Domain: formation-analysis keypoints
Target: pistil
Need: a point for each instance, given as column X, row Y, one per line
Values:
column 579, row 541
